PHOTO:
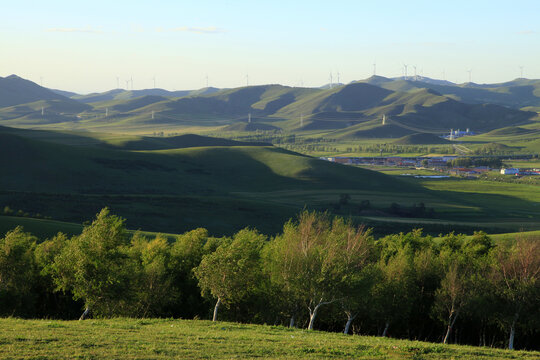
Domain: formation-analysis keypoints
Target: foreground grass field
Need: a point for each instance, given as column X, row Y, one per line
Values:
column 195, row 339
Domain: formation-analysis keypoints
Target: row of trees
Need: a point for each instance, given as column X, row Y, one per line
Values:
column 320, row 272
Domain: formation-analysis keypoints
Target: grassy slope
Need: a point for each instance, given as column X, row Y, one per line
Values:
column 225, row 188
column 221, row 188
column 518, row 93
column 421, row 139
column 196, row 339
column 418, row 110
column 42, row 228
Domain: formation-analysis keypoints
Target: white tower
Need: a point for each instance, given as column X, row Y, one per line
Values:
column 384, row 119
column 152, row 114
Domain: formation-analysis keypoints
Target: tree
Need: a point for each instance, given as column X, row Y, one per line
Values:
column 95, row 266
column 392, row 296
column 357, row 295
column 186, row 254
column 17, row 269
column 516, row 272
column 231, row 272
column 315, row 259
column 350, row 250
column 153, row 284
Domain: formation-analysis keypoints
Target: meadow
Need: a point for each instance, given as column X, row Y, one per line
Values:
column 198, row 339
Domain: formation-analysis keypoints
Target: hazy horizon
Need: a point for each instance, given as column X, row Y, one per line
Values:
column 84, row 47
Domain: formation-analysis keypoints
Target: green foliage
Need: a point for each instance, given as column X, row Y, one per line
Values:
column 95, row 266
column 17, row 271
column 317, row 260
column 403, row 285
column 152, row 285
column 232, row 271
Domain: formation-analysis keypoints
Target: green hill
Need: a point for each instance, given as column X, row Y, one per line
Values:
column 244, row 126
column 415, row 106
column 15, row 90
column 218, row 187
column 121, row 94
column 178, row 142
column 137, row 103
column 42, row 112
column 518, row 93
column 512, row 131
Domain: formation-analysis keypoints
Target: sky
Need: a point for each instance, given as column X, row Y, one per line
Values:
column 96, row 45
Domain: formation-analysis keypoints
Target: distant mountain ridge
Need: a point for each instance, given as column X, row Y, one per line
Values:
column 121, row 94
column 410, row 105
column 15, row 90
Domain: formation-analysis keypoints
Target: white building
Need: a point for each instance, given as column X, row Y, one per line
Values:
column 511, row 171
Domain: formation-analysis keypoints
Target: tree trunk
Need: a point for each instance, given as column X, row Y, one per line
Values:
column 385, row 331
column 451, row 322
column 85, row 314
column 348, row 325
column 313, row 315
column 216, row 309
column 512, row 332
column 291, row 323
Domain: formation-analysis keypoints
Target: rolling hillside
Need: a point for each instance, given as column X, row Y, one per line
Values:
column 15, row 90
column 518, row 93
column 347, row 111
column 219, row 187
column 121, row 94
column 179, row 183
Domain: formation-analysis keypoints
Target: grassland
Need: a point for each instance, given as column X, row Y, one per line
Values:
column 70, row 176
column 196, row 339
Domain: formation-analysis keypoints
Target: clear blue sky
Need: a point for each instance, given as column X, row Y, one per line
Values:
column 85, row 47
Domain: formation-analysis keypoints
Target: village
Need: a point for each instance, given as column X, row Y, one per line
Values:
column 442, row 164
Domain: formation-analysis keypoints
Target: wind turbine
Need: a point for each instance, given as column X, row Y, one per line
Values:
column 247, row 79
column 127, row 84
column 331, row 81
column 470, row 75
column 414, row 66
column 132, row 83
column 521, row 71
column 405, row 66
column 338, row 78
column 374, row 69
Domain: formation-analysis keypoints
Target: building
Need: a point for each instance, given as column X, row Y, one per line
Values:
column 511, row 171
